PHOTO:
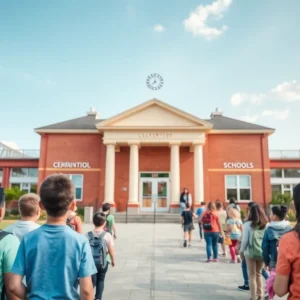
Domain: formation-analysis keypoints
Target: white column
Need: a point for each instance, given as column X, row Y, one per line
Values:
column 110, row 174
column 134, row 174
column 198, row 174
column 175, row 173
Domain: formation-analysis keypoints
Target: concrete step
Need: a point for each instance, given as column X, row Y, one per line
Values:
column 147, row 218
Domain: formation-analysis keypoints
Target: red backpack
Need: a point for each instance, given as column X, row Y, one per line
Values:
column 206, row 221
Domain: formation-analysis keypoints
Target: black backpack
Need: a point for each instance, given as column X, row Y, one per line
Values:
column 3, row 234
column 206, row 220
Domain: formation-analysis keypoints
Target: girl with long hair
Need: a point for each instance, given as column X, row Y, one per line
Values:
column 212, row 229
column 234, row 230
column 287, row 279
column 251, row 247
column 185, row 198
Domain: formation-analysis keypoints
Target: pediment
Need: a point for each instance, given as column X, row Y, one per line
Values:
column 154, row 114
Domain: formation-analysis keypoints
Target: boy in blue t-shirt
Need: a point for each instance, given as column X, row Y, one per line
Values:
column 54, row 256
column 199, row 212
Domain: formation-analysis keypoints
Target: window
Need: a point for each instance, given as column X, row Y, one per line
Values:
column 276, row 173
column 291, row 173
column 78, row 184
column 24, row 172
column 1, row 173
column 19, row 172
column 276, row 188
column 238, row 187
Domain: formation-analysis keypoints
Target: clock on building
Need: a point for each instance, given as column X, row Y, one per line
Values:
column 154, row 81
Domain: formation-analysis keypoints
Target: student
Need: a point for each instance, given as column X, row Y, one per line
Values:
column 54, row 256
column 233, row 204
column 222, row 216
column 29, row 208
column 234, row 230
column 9, row 245
column 187, row 224
column 251, row 247
column 98, row 238
column 287, row 278
column 199, row 212
column 110, row 220
column 74, row 221
column 185, row 197
column 212, row 229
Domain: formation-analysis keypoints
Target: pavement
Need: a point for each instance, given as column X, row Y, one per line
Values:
column 151, row 264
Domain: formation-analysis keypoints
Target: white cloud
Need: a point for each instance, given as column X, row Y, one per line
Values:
column 158, row 28
column 197, row 21
column 238, row 98
column 276, row 114
column 288, row 91
column 250, row 119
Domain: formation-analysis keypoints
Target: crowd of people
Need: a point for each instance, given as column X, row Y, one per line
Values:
column 55, row 260
column 266, row 246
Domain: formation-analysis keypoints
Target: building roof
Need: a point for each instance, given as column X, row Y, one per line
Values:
column 219, row 122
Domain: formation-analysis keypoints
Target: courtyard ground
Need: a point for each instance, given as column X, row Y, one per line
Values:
column 152, row 264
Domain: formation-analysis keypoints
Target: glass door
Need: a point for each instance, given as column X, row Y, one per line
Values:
column 146, row 200
column 154, row 195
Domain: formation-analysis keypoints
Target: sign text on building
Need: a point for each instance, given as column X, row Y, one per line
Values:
column 155, row 135
column 238, row 165
column 67, row 164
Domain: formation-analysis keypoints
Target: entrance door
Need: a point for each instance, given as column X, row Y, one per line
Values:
column 154, row 194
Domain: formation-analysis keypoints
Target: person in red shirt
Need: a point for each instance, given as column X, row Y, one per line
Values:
column 212, row 229
column 287, row 279
column 74, row 221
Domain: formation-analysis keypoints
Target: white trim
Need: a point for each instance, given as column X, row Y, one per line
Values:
column 238, row 188
column 81, row 131
column 241, row 131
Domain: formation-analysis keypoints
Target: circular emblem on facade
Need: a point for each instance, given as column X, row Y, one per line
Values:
column 154, row 81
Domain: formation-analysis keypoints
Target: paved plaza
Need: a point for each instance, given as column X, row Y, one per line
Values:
column 152, row 264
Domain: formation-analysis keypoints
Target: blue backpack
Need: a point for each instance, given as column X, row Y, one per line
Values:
column 98, row 246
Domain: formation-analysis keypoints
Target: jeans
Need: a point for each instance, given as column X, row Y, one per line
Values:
column 211, row 239
column 265, row 274
column 200, row 231
column 98, row 281
column 182, row 207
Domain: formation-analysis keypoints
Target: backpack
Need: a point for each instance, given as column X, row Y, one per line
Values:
column 72, row 226
column 3, row 234
column 255, row 246
column 206, row 220
column 98, row 246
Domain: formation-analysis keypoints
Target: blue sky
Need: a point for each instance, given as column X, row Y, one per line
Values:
column 59, row 58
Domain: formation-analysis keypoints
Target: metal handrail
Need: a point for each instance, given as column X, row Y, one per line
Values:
column 284, row 154
column 19, row 153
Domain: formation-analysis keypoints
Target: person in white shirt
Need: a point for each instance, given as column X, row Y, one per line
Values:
column 29, row 209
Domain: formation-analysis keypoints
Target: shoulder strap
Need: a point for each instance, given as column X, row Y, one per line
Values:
column 90, row 234
column 3, row 234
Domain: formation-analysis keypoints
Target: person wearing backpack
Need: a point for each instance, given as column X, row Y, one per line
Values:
column 102, row 245
column 234, row 230
column 276, row 229
column 74, row 221
column 251, row 248
column 110, row 220
column 212, row 230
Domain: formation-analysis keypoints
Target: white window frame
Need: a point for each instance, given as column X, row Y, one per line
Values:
column 238, row 187
column 70, row 176
column 22, row 183
column 283, row 189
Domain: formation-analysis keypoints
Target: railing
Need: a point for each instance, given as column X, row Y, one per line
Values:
column 284, row 154
column 19, row 153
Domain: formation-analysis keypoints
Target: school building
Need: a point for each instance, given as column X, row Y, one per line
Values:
column 142, row 158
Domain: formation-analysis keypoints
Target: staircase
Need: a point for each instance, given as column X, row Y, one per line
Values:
column 147, row 218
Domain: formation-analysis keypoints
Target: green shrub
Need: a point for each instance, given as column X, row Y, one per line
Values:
column 281, row 199
column 291, row 216
column 243, row 214
column 13, row 194
column 80, row 211
column 14, row 212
